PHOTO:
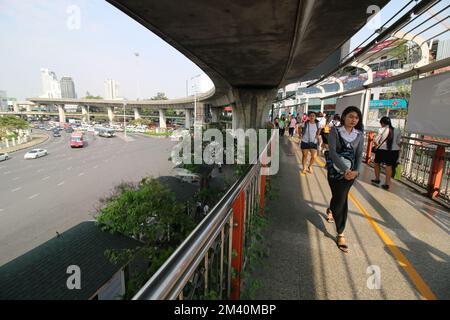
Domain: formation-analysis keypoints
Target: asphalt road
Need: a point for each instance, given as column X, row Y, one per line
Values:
column 51, row 194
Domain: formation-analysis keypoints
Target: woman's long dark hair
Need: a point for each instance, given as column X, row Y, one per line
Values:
column 387, row 122
column 350, row 109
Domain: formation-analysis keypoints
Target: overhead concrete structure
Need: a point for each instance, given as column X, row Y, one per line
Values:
column 251, row 48
column 180, row 103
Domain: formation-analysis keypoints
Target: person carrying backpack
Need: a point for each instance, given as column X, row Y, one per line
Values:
column 309, row 137
column 343, row 164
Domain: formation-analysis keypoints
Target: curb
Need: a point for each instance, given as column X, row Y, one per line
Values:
column 36, row 144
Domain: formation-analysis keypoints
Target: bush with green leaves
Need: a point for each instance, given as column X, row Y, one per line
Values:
column 148, row 212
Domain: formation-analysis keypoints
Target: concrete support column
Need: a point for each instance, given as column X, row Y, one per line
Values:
column 15, row 107
column 110, row 114
column 215, row 113
column 28, row 108
column 188, row 115
column 136, row 114
column 252, row 107
column 62, row 115
column 322, row 102
column 84, row 114
column 162, row 119
column 199, row 116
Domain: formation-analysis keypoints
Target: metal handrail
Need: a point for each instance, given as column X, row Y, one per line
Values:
column 170, row 279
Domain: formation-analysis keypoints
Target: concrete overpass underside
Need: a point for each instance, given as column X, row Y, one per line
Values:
column 251, row 48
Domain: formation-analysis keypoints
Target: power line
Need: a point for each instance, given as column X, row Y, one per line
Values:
column 409, row 32
column 419, row 9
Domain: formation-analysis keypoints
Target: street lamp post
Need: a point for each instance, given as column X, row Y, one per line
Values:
column 194, row 86
column 124, row 126
column 137, row 75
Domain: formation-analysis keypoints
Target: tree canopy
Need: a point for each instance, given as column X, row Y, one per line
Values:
column 160, row 96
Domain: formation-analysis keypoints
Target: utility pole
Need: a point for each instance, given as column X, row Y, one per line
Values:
column 124, row 125
column 195, row 87
column 137, row 75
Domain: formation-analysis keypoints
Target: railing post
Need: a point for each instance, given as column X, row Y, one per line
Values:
column 238, row 238
column 262, row 194
column 436, row 173
column 370, row 140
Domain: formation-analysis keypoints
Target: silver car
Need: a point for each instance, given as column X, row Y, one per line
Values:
column 4, row 156
column 35, row 153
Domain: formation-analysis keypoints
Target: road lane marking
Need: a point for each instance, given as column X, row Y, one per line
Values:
column 33, row 196
column 95, row 167
column 61, row 183
column 420, row 284
column 40, row 170
column 69, row 168
column 2, row 167
column 1, row 210
column 46, row 178
column 16, row 178
column 81, row 174
column 7, row 172
column 16, row 189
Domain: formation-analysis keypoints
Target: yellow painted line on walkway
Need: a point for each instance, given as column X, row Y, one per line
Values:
column 420, row 284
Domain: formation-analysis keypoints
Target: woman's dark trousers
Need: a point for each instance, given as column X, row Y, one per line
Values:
column 339, row 201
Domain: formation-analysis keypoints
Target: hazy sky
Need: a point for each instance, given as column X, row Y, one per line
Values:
column 90, row 41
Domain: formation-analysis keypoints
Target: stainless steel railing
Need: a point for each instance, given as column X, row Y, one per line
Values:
column 201, row 267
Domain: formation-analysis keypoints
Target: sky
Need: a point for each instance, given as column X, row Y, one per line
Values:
column 91, row 41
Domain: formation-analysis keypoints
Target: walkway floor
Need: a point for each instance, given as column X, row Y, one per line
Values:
column 401, row 234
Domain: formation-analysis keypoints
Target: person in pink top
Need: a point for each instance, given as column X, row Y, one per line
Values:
column 292, row 125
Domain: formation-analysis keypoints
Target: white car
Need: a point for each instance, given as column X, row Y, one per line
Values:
column 35, row 153
column 4, row 156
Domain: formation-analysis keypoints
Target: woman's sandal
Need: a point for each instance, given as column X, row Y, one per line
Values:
column 342, row 246
column 330, row 216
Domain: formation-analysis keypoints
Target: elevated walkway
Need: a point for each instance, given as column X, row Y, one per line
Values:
column 400, row 233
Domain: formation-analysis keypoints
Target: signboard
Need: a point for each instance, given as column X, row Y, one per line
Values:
column 391, row 103
column 356, row 100
column 429, row 109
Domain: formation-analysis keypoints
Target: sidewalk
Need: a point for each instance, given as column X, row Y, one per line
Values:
column 401, row 234
column 37, row 138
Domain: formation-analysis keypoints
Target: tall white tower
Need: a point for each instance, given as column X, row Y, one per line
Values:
column 51, row 87
column 111, row 89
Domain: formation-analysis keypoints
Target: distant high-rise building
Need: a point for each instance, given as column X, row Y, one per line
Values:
column 68, row 88
column 111, row 89
column 3, row 101
column 50, row 85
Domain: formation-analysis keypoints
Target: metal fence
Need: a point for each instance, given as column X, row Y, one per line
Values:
column 209, row 263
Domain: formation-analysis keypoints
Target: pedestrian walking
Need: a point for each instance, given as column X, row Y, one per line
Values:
column 346, row 144
column 309, row 137
column 387, row 149
column 292, row 125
